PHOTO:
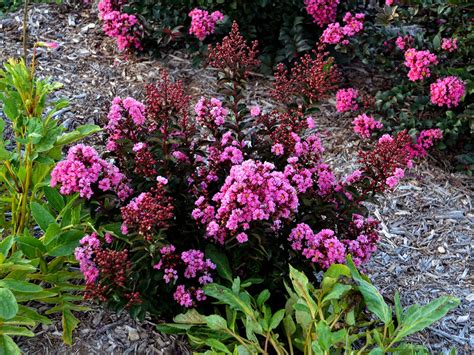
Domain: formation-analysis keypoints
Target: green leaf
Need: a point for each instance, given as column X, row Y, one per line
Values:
column 373, row 299
column 16, row 331
column 33, row 315
column 217, row 345
column 190, row 317
column 337, row 292
column 323, row 335
column 42, row 216
column 6, row 244
column 417, row 318
column 216, row 322
column 20, row 286
column 221, row 261
column 398, row 308
column 263, row 297
column 301, row 285
column 52, row 232
column 69, row 322
column 30, row 246
column 54, row 198
column 8, row 346
column 77, row 134
column 226, row 296
column 277, row 318
column 8, row 304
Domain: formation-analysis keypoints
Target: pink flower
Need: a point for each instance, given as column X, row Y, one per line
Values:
column 419, row 63
column 392, row 181
column 364, row 125
column 337, row 34
column 346, row 100
column 255, row 111
column 202, row 23
column 404, row 42
column 242, row 237
column 447, row 91
column 278, row 149
column 449, row 44
column 322, row 11
column 162, row 180
column 310, row 122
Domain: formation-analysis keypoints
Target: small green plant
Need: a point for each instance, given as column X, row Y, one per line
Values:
column 345, row 313
column 39, row 227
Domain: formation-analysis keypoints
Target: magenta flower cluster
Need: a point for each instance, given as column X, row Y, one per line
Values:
column 337, row 34
column 84, row 254
column 253, row 191
column 203, row 24
column 322, row 11
column 425, row 140
column 124, row 27
column 447, row 91
column 449, row 44
column 125, row 118
column 404, row 42
column 210, row 112
column 365, row 125
column 195, row 267
column 85, row 172
column 322, row 248
column 419, row 63
column 346, row 100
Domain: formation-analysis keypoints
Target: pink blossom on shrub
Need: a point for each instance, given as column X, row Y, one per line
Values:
column 85, row 172
column 126, row 118
column 322, row 248
column 278, row 149
column 404, row 42
column 83, row 254
column 364, row 125
column 447, row 91
column 203, row 24
column 419, row 62
column 332, row 34
column 124, row 27
column 346, row 100
column 322, row 11
column 255, row 111
column 354, row 24
column 425, row 140
column 210, row 112
column 337, row 34
column 449, row 44
column 252, row 192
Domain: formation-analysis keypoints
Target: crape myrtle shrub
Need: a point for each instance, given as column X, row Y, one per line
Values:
column 424, row 50
column 189, row 189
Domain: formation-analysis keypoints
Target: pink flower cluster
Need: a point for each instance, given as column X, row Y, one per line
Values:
column 126, row 118
column 322, row 11
column 393, row 180
column 203, row 24
column 419, row 62
column 124, row 27
column 346, row 100
column 447, row 91
column 85, row 172
column 210, row 112
column 404, row 42
column 195, row 267
column 449, row 44
column 84, row 253
column 253, row 191
column 363, row 238
column 335, row 33
column 364, row 125
column 322, row 248
column 425, row 140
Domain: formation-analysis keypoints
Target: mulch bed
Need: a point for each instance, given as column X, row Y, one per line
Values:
column 427, row 222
